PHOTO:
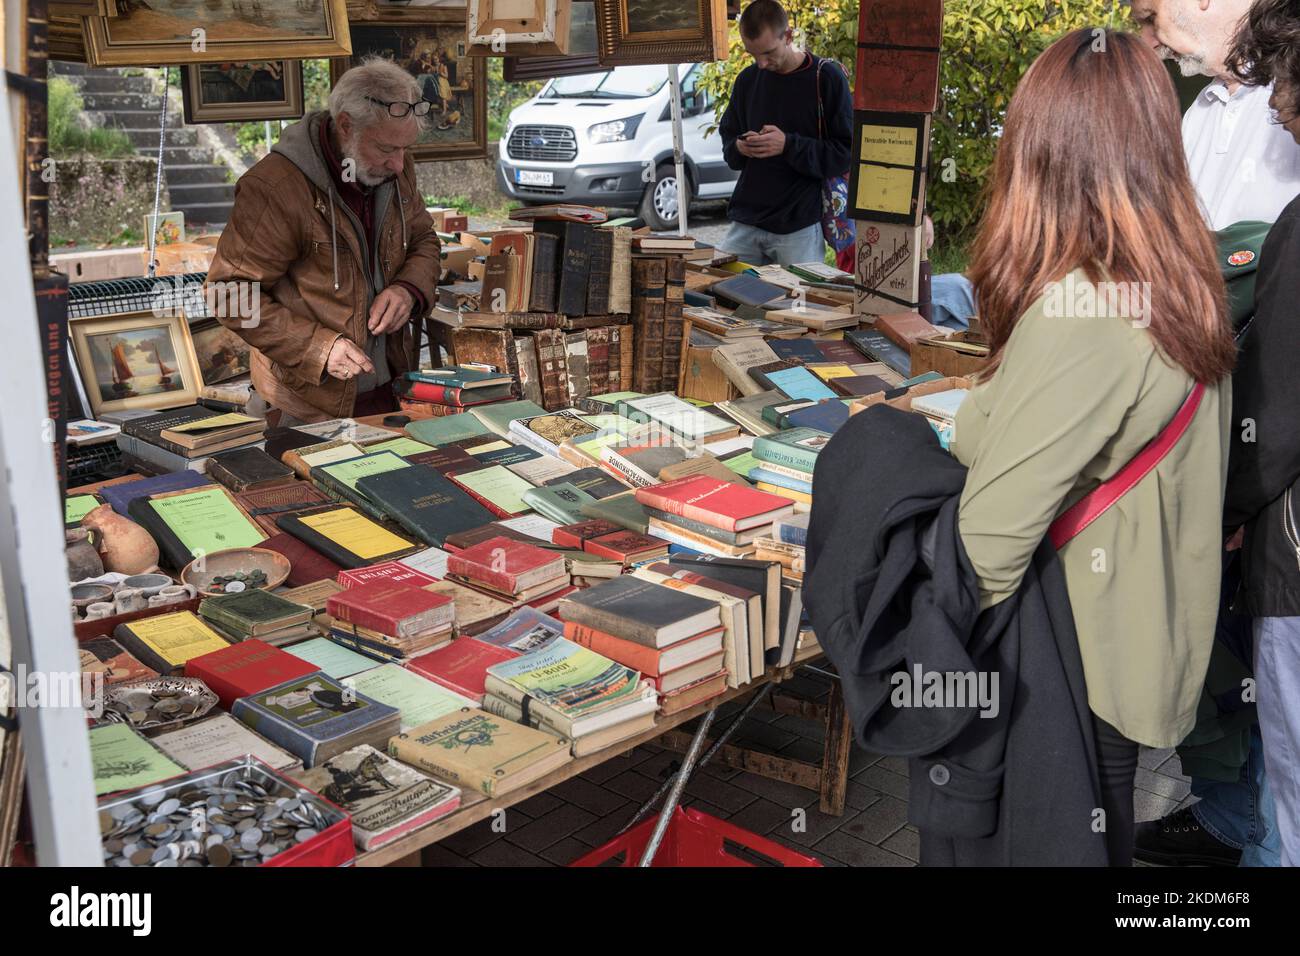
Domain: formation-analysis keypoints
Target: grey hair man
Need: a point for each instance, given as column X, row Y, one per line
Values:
column 331, row 233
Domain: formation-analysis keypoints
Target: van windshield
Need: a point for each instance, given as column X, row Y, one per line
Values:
column 623, row 82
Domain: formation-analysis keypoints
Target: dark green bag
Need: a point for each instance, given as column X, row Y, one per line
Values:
column 1239, row 246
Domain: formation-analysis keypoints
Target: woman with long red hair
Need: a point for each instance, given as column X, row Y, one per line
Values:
column 1103, row 303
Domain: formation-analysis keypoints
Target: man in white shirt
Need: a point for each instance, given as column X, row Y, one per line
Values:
column 1245, row 166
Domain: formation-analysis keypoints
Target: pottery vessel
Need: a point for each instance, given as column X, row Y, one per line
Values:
column 124, row 546
column 83, row 560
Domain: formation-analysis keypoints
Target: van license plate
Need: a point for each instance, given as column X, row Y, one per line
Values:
column 534, row 177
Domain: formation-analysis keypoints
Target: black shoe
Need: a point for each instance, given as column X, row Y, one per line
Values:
column 1179, row 840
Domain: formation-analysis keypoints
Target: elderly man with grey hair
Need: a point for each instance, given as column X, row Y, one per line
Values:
column 331, row 253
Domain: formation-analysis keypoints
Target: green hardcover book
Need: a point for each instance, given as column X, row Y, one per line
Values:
column 339, row 478
column 622, row 509
column 793, row 448
column 775, row 415
column 562, row 502
column 472, row 748
column 333, row 659
column 401, row 446
column 424, row 502
column 498, row 416
column 441, row 431
column 253, row 613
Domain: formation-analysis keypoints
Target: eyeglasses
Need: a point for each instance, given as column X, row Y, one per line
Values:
column 400, row 109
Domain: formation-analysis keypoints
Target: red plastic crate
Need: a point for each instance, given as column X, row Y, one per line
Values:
column 695, row 839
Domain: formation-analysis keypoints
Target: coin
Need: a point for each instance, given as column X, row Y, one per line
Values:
column 251, row 838
column 305, row 834
column 168, row 807
column 219, row 855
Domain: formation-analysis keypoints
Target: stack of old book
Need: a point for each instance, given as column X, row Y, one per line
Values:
column 184, row 438
column 391, row 621
column 786, row 544
column 512, row 571
column 256, row 613
column 573, row 692
column 785, row 463
column 675, row 637
column 711, row 515
column 450, row 390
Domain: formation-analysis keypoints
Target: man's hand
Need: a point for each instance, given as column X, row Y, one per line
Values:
column 347, row 360
column 768, row 141
column 390, row 310
column 929, row 233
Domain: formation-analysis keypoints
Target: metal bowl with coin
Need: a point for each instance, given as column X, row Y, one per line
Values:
column 237, row 569
column 156, row 704
column 237, row 813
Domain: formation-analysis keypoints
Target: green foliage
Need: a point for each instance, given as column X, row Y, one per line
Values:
column 987, row 46
column 68, row 138
column 502, row 97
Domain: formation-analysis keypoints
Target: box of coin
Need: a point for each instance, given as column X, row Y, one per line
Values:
column 237, row 813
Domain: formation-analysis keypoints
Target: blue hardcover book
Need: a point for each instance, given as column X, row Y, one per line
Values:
column 798, row 383
column 824, row 416
column 797, row 350
column 316, row 718
column 525, row 631
column 784, row 481
column 508, row 456
column 120, row 496
column 682, row 549
column 792, row 530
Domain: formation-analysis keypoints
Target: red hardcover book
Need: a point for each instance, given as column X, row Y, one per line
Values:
column 715, row 502
column 248, row 667
column 446, row 395
column 626, row 546
column 392, row 571
column 306, row 564
column 461, row 665
column 505, row 565
column 396, row 609
column 651, row 662
column 573, row 535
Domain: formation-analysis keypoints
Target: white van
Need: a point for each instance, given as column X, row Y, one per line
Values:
column 606, row 139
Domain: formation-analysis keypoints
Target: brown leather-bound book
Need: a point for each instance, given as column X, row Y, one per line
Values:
column 620, row 271
column 546, row 271
column 264, row 505
column 601, row 259
column 649, row 292
column 674, row 323
column 614, row 369
column 576, row 366
column 904, row 328
column 245, row 469
column 626, row 357
column 530, row 372
column 501, row 283
column 598, row 360
column 553, row 366
column 493, row 347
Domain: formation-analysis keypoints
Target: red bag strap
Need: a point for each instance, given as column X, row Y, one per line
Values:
column 1096, row 502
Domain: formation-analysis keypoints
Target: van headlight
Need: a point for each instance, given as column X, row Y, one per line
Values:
column 615, row 131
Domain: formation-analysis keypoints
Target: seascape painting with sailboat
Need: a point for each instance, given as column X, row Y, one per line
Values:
column 135, row 362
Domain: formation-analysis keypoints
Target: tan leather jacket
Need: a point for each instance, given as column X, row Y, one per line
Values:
column 289, row 232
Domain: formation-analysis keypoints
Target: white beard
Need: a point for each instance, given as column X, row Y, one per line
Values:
column 350, row 156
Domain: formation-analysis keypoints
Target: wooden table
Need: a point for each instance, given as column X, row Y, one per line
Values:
column 405, row 850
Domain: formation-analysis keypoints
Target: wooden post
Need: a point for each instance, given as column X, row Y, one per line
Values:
column 835, row 761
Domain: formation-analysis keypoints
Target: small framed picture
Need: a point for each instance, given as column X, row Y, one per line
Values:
column 222, row 355
column 167, row 227
column 136, row 361
column 239, row 92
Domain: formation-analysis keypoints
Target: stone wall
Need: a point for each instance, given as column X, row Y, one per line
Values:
column 93, row 200
column 472, row 179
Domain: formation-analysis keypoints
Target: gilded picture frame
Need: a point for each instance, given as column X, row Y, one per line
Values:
column 163, row 32
column 633, row 32
column 136, row 361
column 242, row 91
column 430, row 43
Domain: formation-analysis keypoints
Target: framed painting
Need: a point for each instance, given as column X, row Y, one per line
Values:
column 429, row 43
column 581, row 58
column 661, row 31
column 498, row 27
column 221, row 353
column 137, row 361
column 163, row 31
column 239, row 92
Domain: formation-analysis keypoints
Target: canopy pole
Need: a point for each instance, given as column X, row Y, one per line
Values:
column 675, row 83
